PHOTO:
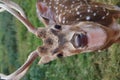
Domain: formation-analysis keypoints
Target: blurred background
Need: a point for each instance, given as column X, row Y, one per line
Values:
column 16, row 43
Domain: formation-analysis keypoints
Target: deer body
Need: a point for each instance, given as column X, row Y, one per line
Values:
column 79, row 10
column 71, row 27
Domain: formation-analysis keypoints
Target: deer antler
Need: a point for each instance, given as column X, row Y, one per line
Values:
column 15, row 10
column 19, row 73
column 13, row 6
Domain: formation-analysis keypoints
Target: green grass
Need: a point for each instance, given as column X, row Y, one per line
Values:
column 16, row 43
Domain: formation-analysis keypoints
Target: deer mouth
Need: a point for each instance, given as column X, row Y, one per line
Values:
column 92, row 39
column 79, row 40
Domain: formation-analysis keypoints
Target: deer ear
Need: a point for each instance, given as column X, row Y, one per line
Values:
column 45, row 14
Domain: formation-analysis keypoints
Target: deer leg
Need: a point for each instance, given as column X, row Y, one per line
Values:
column 17, row 13
column 19, row 73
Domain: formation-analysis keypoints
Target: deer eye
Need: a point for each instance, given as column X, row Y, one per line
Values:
column 58, row 27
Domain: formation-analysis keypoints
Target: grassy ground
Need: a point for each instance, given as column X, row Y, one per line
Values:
column 16, row 43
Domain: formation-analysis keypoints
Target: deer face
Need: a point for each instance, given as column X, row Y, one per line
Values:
column 84, row 26
column 67, row 40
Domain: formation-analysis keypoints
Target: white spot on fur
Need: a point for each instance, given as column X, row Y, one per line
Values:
column 88, row 10
column 94, row 14
column 103, row 17
column 80, row 15
column 87, row 17
column 78, row 12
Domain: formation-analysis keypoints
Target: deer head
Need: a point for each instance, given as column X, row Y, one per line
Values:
column 71, row 27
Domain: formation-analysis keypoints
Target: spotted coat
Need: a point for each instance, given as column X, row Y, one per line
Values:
column 73, row 11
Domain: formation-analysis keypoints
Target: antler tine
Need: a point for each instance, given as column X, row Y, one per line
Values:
column 14, row 6
column 19, row 73
column 1, row 9
column 18, row 15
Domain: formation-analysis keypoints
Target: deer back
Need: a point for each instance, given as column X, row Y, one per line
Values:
column 69, row 12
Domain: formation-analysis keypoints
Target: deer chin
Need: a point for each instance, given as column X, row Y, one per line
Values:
column 96, row 38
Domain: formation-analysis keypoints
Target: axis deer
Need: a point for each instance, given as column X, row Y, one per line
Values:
column 71, row 27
